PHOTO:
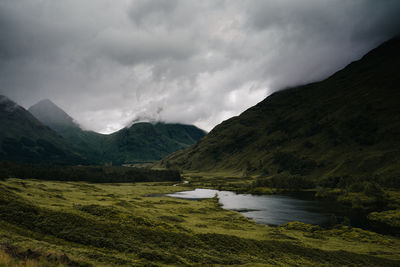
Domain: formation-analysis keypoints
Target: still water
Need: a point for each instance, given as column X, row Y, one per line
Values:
column 266, row 209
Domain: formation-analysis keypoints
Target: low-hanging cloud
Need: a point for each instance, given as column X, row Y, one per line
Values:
column 109, row 63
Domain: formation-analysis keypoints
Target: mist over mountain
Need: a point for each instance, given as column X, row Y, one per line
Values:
column 346, row 125
column 106, row 63
column 140, row 142
column 146, row 141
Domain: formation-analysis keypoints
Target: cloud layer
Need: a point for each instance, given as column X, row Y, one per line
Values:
column 108, row 63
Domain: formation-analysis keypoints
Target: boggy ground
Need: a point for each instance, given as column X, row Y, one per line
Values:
column 46, row 223
column 379, row 207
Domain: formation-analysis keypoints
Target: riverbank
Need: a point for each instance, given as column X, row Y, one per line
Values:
column 366, row 205
column 273, row 210
column 117, row 224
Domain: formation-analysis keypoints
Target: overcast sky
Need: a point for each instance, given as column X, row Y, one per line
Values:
column 108, row 62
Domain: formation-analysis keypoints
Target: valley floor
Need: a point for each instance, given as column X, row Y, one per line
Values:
column 83, row 224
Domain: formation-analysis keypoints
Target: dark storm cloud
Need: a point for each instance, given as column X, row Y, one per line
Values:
column 108, row 63
column 319, row 35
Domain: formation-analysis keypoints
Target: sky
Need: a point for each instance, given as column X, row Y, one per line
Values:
column 110, row 63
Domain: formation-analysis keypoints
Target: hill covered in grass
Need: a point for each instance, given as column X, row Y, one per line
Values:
column 86, row 224
column 141, row 142
column 343, row 129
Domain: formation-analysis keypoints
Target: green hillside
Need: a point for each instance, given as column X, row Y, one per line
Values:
column 146, row 142
column 344, row 128
column 141, row 142
column 24, row 138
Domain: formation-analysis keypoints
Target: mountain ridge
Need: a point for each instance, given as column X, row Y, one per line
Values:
column 347, row 124
column 50, row 114
column 140, row 142
column 24, row 138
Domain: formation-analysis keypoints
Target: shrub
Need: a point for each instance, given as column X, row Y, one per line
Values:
column 294, row 164
column 374, row 190
column 285, row 182
column 356, row 187
column 95, row 174
column 362, row 130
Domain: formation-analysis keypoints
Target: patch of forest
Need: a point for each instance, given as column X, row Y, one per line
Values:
column 94, row 174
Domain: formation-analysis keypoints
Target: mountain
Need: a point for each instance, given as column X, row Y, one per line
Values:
column 347, row 125
column 51, row 115
column 88, row 143
column 147, row 142
column 24, row 138
column 141, row 142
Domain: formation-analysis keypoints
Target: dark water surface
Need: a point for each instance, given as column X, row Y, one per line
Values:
column 267, row 209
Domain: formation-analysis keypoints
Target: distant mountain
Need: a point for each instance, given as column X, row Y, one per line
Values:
column 142, row 142
column 24, row 138
column 51, row 115
column 346, row 125
column 146, row 141
column 91, row 144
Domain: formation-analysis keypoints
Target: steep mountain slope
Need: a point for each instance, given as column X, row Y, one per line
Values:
column 24, row 138
column 346, row 125
column 91, row 144
column 51, row 115
column 142, row 142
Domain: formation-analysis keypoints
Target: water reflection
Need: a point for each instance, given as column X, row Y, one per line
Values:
column 266, row 209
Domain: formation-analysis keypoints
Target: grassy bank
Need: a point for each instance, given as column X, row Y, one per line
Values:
column 378, row 205
column 120, row 224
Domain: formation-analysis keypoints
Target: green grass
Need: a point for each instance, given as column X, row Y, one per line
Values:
column 381, row 206
column 120, row 224
column 12, row 256
column 338, row 137
column 222, row 180
column 389, row 219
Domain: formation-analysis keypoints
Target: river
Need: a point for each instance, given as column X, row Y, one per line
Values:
column 267, row 209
